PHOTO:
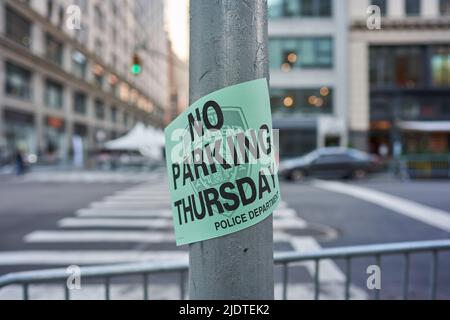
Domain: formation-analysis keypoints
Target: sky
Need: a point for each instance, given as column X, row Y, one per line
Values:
column 177, row 20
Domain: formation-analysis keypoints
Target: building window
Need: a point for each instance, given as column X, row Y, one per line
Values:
column 382, row 4
column 54, row 50
column 114, row 60
column 98, row 47
column 19, row 130
column 82, row 34
column 98, row 15
column 49, row 9
column 444, row 7
column 79, row 64
column 114, row 84
column 53, row 95
column 55, row 139
column 114, row 35
column 304, row 53
column 79, row 103
column 125, row 119
column 99, row 110
column 440, row 66
column 83, row 6
column 397, row 66
column 411, row 106
column 302, row 101
column 18, row 28
column 61, row 14
column 300, row 8
column 114, row 115
column 18, row 81
column 99, row 75
column 114, row 8
column 412, row 7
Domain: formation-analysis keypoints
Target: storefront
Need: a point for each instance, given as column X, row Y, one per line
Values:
column 297, row 137
column 55, row 141
column 426, row 137
column 19, row 132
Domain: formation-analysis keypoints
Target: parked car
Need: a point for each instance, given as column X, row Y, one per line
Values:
column 333, row 162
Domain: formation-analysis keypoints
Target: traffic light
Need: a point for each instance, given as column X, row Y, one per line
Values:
column 136, row 67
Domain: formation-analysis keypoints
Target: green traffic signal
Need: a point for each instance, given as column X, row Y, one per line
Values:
column 136, row 69
column 136, row 65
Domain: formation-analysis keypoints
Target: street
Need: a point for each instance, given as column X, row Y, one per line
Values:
column 358, row 222
column 47, row 224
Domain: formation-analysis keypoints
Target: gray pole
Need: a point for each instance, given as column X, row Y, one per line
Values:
column 229, row 46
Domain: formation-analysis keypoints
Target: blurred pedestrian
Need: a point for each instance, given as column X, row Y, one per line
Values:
column 383, row 150
column 20, row 163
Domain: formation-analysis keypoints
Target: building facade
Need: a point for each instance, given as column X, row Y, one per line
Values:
column 308, row 42
column 63, row 87
column 400, row 77
column 178, row 86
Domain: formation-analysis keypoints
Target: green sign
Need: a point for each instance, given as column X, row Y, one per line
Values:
column 221, row 163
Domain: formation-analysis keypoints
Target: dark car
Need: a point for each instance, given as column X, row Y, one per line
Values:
column 330, row 163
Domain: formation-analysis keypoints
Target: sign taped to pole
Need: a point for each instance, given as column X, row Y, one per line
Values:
column 221, row 165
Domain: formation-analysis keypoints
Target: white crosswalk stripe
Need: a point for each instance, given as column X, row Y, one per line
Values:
column 156, row 223
column 115, row 223
column 124, row 213
column 437, row 218
column 90, row 177
column 99, row 236
column 111, row 236
column 86, row 257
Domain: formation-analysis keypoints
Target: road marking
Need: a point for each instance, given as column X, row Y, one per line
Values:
column 328, row 270
column 434, row 217
column 331, row 277
column 129, row 291
column 289, row 224
column 153, row 223
column 283, row 204
column 115, row 223
column 144, row 198
column 284, row 213
column 102, row 236
column 116, row 204
column 167, row 291
column 133, row 213
column 89, row 177
column 99, row 236
column 68, row 257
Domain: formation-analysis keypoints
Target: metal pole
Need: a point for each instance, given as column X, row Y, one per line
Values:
column 228, row 46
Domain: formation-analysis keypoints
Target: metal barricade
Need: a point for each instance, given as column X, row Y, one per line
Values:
column 426, row 166
column 285, row 259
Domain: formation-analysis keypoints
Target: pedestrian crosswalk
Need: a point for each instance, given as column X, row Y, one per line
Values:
column 123, row 213
column 156, row 223
column 66, row 258
column 99, row 236
column 88, row 177
column 140, row 218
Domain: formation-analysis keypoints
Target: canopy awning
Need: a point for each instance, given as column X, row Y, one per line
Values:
column 425, row 126
column 149, row 141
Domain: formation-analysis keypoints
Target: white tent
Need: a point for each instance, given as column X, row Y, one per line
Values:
column 149, row 141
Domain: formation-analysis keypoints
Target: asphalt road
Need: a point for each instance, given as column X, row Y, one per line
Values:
column 31, row 214
column 358, row 222
column 26, row 207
